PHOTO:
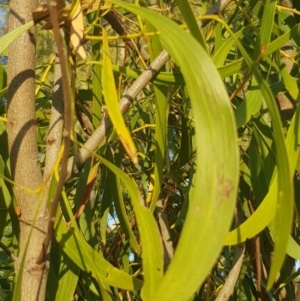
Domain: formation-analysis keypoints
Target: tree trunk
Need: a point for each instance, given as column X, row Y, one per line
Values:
column 24, row 157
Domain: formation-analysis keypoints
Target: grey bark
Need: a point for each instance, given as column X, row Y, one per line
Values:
column 24, row 157
column 165, row 233
column 54, row 135
column 53, row 144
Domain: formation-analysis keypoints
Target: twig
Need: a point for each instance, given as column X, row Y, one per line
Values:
column 112, row 18
column 248, row 73
column 84, row 120
column 124, row 103
column 7, row 251
column 165, row 232
column 258, row 267
column 237, row 261
column 291, row 10
column 207, row 286
column 54, row 137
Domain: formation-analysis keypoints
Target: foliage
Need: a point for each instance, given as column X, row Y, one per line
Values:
column 209, row 131
column 3, row 17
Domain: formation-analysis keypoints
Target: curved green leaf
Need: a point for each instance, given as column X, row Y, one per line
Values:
column 111, row 101
column 116, row 193
column 14, row 34
column 215, row 181
column 266, row 211
column 161, row 120
column 84, row 256
column 188, row 15
column 152, row 252
column 68, row 278
column 89, row 260
column 284, row 192
column 240, row 64
column 220, row 56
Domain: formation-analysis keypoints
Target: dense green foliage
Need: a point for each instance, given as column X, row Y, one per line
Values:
column 216, row 134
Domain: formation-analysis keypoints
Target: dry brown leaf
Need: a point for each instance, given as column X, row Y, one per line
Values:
column 17, row 210
column 49, row 26
column 76, row 31
column 42, row 11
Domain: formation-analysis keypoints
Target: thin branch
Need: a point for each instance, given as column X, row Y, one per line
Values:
column 216, row 9
column 126, row 100
column 54, row 135
column 7, row 251
column 258, row 265
column 207, row 286
column 67, row 118
column 112, row 18
column 239, row 252
column 165, row 232
column 54, row 138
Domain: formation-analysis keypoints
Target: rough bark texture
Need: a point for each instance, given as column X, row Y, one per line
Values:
column 25, row 165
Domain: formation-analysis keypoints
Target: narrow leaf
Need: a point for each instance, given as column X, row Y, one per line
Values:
column 152, row 252
column 111, row 100
column 14, row 34
column 89, row 260
column 76, row 31
column 215, row 181
column 284, row 192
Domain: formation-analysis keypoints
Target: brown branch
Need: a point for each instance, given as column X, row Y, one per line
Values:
column 67, row 118
column 165, row 233
column 207, row 286
column 258, row 267
column 54, row 135
column 7, row 251
column 253, row 248
column 247, row 74
column 84, row 120
column 112, row 18
column 53, row 139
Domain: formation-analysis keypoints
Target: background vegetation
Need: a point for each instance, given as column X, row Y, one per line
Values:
column 199, row 198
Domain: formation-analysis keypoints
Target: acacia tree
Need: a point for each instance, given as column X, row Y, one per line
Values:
column 23, row 152
column 200, row 138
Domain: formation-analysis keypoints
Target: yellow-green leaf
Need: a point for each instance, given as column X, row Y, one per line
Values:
column 111, row 100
